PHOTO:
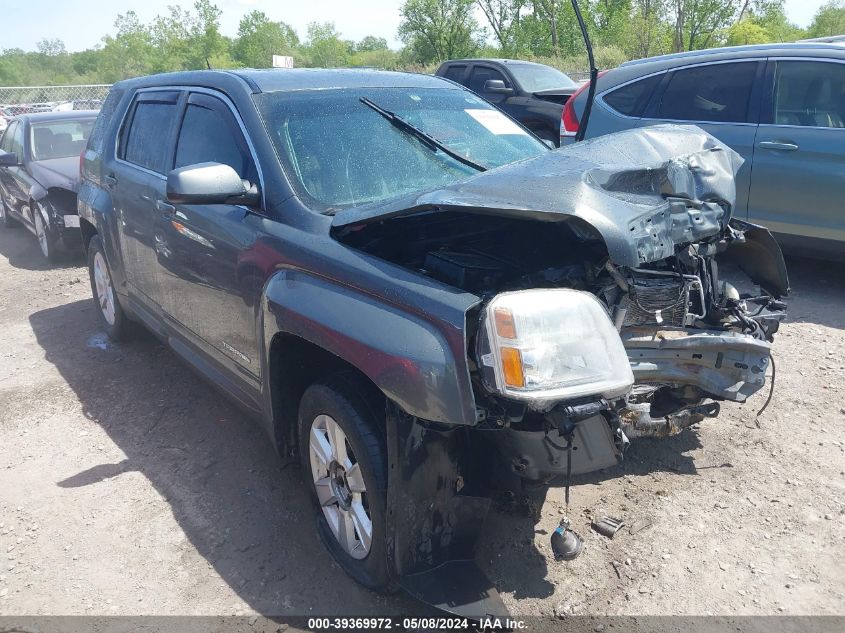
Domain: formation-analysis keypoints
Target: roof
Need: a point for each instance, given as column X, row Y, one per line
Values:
column 752, row 50
column 62, row 115
column 495, row 60
column 282, row 79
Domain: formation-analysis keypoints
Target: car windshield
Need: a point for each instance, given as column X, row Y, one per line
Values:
column 59, row 139
column 340, row 152
column 536, row 77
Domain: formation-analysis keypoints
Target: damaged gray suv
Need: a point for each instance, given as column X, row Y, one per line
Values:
column 420, row 301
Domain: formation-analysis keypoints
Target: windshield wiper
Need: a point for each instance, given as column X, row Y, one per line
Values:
column 426, row 139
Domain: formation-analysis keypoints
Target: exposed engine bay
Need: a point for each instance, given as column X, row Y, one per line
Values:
column 647, row 241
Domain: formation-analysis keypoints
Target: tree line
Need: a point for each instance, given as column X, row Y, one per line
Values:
column 430, row 30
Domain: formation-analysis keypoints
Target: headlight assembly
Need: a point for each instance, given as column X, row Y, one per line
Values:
column 541, row 345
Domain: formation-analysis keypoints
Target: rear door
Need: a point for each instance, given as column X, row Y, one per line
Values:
column 723, row 98
column 212, row 281
column 138, row 182
column 799, row 160
column 10, row 188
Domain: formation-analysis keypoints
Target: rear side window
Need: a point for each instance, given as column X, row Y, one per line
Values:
column 810, row 94
column 631, row 99
column 455, row 73
column 716, row 92
column 145, row 142
column 98, row 132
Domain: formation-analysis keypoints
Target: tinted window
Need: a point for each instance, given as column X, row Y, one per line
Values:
column 810, row 94
column 211, row 135
column 14, row 140
column 455, row 73
column 632, row 98
column 7, row 137
column 98, row 132
column 716, row 92
column 338, row 152
column 480, row 75
column 146, row 143
column 537, row 77
column 59, row 139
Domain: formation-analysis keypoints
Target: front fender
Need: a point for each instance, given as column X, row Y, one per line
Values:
column 411, row 360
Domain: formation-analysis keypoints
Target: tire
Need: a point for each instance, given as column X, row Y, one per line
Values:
column 112, row 318
column 5, row 219
column 341, row 401
column 46, row 240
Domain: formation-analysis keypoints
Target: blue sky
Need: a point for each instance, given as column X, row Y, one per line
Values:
column 81, row 23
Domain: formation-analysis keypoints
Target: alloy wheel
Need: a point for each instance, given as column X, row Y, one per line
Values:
column 340, row 486
column 105, row 292
column 41, row 234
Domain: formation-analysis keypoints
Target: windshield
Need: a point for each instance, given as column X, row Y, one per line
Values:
column 536, row 77
column 340, row 152
column 59, row 139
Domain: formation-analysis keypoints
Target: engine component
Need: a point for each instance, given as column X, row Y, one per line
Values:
column 471, row 271
column 636, row 420
column 663, row 298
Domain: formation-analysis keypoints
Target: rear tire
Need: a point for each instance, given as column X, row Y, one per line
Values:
column 112, row 318
column 344, row 461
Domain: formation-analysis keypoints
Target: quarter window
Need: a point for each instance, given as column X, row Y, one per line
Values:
column 715, row 92
column 631, row 99
column 146, row 140
column 810, row 94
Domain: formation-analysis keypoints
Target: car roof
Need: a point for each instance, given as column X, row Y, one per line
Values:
column 495, row 60
column 799, row 49
column 289, row 79
column 41, row 117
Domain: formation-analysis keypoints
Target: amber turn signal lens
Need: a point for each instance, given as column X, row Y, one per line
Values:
column 512, row 367
column 505, row 325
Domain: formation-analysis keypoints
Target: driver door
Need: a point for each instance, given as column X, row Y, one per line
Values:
column 203, row 248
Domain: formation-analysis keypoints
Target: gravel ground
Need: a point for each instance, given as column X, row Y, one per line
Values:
column 128, row 486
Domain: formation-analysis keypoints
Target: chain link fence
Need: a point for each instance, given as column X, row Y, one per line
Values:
column 21, row 99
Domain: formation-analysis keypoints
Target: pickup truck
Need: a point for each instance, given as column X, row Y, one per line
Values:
column 418, row 300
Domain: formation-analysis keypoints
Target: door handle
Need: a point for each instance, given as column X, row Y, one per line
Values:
column 165, row 207
column 782, row 147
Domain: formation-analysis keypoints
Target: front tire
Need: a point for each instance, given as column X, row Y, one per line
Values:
column 5, row 219
column 344, row 460
column 46, row 240
column 112, row 317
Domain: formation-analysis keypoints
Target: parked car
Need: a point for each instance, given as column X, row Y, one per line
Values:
column 781, row 106
column 39, row 174
column 531, row 93
column 418, row 299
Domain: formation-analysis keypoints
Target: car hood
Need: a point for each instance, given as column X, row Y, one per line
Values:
column 643, row 191
column 56, row 172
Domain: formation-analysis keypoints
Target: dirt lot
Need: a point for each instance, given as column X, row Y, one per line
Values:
column 128, row 486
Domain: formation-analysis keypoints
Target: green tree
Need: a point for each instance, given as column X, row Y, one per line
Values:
column 259, row 39
column 700, row 23
column 129, row 53
column 435, row 30
column 325, row 48
column 505, row 20
column 829, row 20
column 371, row 43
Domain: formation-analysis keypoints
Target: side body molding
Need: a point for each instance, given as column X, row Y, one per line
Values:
column 415, row 364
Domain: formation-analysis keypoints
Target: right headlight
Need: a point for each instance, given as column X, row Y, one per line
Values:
column 551, row 344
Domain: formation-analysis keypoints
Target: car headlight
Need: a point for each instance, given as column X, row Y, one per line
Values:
column 554, row 344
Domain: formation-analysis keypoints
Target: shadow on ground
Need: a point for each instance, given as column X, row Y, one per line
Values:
column 20, row 247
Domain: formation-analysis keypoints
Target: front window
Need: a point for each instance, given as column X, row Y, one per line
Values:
column 537, row 78
column 339, row 152
column 59, row 139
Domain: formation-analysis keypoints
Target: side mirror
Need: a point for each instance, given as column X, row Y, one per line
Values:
column 497, row 86
column 8, row 159
column 209, row 183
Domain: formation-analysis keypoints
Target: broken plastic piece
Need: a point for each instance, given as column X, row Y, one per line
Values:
column 608, row 526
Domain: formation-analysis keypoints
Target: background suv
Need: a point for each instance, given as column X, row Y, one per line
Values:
column 531, row 93
column 780, row 106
